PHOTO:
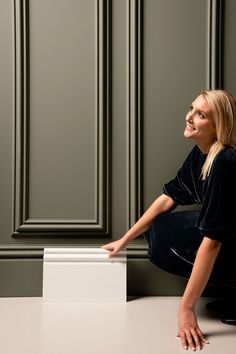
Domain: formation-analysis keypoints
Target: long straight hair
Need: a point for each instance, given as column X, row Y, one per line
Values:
column 223, row 106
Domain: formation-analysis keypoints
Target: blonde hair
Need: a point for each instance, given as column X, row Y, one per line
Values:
column 223, row 106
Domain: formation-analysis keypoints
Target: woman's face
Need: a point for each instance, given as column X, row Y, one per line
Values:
column 199, row 122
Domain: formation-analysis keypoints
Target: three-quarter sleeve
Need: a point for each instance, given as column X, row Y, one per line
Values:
column 184, row 188
column 217, row 216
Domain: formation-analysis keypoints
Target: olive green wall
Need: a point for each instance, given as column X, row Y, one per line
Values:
column 93, row 100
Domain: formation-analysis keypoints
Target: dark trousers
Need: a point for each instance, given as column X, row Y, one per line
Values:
column 174, row 240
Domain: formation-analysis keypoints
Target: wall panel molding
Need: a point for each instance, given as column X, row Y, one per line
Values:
column 23, row 225
column 17, row 253
column 134, row 110
column 215, row 44
column 31, row 252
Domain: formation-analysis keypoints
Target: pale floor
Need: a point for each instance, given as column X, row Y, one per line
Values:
column 141, row 326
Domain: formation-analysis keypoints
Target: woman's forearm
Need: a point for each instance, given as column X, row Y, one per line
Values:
column 202, row 268
column 161, row 205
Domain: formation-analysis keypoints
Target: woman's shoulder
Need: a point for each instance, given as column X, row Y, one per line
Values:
column 226, row 159
column 196, row 157
column 195, row 153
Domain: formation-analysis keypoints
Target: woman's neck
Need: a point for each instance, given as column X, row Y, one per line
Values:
column 204, row 146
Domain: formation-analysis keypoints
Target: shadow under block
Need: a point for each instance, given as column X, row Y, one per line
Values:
column 83, row 275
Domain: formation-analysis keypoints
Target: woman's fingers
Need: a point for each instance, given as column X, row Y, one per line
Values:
column 111, row 254
column 189, row 340
column 192, row 339
column 107, row 246
column 115, row 247
column 183, row 340
column 197, row 341
column 110, row 247
column 202, row 337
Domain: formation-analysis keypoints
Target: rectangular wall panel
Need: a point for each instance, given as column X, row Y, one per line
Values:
column 63, row 110
column 62, row 67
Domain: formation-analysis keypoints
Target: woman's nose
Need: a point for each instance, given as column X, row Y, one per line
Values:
column 189, row 117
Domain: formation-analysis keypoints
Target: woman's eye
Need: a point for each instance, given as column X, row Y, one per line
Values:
column 201, row 115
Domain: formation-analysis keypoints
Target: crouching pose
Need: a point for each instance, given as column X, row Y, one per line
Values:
column 198, row 245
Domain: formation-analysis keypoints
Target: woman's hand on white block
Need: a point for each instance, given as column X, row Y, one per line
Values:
column 115, row 247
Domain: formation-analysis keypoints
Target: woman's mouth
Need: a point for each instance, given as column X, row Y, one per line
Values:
column 190, row 127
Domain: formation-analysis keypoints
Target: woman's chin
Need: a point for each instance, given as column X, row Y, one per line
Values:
column 188, row 134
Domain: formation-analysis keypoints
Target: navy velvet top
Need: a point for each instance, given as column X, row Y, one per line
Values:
column 216, row 194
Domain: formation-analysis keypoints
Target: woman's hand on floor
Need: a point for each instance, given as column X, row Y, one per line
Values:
column 115, row 247
column 189, row 332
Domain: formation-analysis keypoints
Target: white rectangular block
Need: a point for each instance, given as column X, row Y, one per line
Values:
column 83, row 275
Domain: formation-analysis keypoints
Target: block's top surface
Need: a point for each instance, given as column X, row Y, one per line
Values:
column 80, row 254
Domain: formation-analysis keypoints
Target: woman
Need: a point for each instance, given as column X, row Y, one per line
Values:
column 197, row 245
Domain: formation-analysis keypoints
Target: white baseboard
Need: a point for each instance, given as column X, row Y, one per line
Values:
column 83, row 275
